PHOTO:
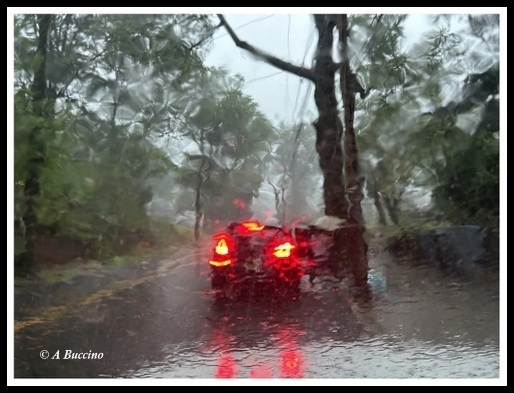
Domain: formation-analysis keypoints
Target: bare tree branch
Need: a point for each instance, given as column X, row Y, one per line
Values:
column 270, row 59
column 193, row 46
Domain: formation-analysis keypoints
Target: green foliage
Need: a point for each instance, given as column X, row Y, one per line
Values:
column 130, row 102
column 222, row 172
column 29, row 147
column 128, row 93
column 468, row 188
column 411, row 130
column 108, row 98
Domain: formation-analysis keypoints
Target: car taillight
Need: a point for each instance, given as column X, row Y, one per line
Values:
column 221, row 247
column 253, row 226
column 222, row 250
column 282, row 254
column 283, row 250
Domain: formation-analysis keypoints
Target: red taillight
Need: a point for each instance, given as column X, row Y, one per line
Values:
column 281, row 254
column 221, row 247
column 281, row 247
column 283, row 250
column 222, row 250
column 252, row 226
column 225, row 262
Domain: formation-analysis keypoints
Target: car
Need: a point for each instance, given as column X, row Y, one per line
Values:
column 252, row 259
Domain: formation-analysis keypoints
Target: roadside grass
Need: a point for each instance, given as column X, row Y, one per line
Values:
column 165, row 239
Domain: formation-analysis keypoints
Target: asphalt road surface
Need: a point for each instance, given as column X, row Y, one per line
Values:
column 161, row 320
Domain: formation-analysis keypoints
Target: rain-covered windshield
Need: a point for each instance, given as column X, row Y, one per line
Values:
column 275, row 195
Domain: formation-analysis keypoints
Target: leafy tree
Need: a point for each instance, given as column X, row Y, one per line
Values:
column 40, row 114
column 468, row 187
column 106, row 105
column 93, row 94
column 348, row 251
column 293, row 174
column 425, row 106
column 229, row 133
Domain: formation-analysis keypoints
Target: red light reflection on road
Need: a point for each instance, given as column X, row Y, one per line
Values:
column 291, row 364
column 226, row 367
column 291, row 357
column 288, row 364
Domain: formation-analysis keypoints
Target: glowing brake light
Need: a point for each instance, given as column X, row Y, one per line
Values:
column 283, row 250
column 253, row 226
column 222, row 250
column 221, row 247
column 226, row 262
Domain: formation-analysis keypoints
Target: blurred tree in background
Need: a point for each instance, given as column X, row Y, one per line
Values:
column 429, row 130
column 93, row 96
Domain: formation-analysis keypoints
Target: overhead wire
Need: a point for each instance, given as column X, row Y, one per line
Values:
column 260, row 19
column 264, row 77
column 308, row 46
column 357, row 54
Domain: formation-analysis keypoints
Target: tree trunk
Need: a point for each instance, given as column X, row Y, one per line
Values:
column 329, row 129
column 380, row 209
column 199, row 187
column 348, row 84
column 329, row 134
column 348, row 246
column 42, row 108
column 373, row 179
column 198, row 205
column 357, row 247
column 392, row 208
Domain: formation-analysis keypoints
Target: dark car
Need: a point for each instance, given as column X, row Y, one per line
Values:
column 254, row 259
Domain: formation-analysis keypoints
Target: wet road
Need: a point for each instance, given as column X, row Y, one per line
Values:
column 161, row 321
